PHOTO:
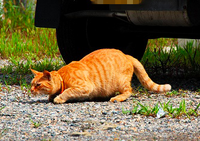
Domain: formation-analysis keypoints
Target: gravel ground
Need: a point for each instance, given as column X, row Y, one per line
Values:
column 34, row 118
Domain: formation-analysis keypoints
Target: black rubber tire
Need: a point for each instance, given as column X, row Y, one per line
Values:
column 75, row 40
column 108, row 33
column 78, row 37
column 72, row 41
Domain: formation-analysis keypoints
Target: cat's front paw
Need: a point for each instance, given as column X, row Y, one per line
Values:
column 116, row 99
column 58, row 100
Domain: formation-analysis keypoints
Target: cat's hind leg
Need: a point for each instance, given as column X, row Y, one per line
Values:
column 125, row 92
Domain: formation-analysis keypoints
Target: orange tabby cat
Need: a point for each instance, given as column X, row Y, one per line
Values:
column 98, row 75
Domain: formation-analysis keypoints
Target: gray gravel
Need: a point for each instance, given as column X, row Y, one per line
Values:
column 33, row 118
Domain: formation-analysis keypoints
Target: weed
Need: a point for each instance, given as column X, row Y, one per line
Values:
column 19, row 36
column 194, row 112
column 179, row 92
column 167, row 107
column 2, row 108
column 24, row 45
column 198, row 91
column 140, row 90
column 182, row 60
column 126, row 111
column 144, row 110
column 17, row 71
column 179, row 111
column 7, row 85
column 46, row 140
column 172, row 93
column 35, row 124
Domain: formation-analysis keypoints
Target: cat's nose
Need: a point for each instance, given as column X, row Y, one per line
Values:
column 32, row 90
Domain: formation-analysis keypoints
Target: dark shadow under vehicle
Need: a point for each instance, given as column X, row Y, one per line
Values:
column 82, row 26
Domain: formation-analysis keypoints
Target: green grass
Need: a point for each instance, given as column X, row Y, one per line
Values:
column 183, row 60
column 176, row 93
column 36, row 44
column 174, row 112
column 35, row 124
column 1, row 108
column 19, row 38
column 25, row 46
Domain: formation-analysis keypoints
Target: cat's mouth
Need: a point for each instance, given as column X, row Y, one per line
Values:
column 34, row 93
column 38, row 93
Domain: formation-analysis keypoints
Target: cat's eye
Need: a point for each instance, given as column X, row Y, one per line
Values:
column 38, row 84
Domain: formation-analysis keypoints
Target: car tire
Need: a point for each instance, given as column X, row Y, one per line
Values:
column 78, row 37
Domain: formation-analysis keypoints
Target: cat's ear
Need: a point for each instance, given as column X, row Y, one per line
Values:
column 35, row 72
column 47, row 74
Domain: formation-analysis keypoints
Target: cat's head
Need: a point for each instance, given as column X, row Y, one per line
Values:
column 45, row 82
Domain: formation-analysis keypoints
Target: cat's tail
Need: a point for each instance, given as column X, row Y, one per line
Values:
column 144, row 78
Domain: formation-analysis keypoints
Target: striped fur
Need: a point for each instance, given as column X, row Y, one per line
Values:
column 100, row 74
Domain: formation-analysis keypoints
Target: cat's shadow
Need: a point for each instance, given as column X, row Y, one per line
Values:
column 34, row 101
column 46, row 101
